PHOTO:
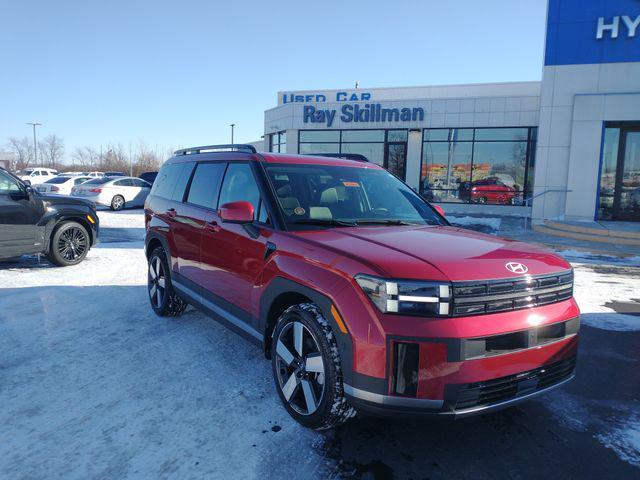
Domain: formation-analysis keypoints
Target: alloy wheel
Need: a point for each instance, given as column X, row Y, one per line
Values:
column 156, row 282
column 72, row 244
column 300, row 368
column 118, row 202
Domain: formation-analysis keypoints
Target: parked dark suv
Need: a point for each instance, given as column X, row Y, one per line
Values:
column 360, row 293
column 63, row 228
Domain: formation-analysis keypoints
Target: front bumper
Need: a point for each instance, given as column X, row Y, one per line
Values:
column 468, row 399
column 454, row 377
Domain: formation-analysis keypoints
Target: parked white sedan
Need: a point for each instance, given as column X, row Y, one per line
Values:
column 114, row 192
column 60, row 185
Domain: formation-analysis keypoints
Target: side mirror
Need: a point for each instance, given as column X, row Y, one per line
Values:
column 236, row 212
column 439, row 209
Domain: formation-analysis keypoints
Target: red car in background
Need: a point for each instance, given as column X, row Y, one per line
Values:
column 492, row 190
column 360, row 293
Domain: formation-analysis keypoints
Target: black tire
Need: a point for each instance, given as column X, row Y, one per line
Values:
column 117, row 203
column 69, row 245
column 482, row 200
column 163, row 298
column 310, row 388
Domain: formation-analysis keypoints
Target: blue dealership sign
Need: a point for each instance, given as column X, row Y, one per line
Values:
column 592, row 31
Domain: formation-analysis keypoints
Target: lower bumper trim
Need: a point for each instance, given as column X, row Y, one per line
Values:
column 387, row 404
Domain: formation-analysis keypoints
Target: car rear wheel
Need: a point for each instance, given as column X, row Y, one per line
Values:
column 482, row 200
column 117, row 203
column 70, row 244
column 307, row 369
column 164, row 300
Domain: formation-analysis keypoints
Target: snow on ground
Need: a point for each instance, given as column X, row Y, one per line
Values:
column 491, row 222
column 94, row 385
column 603, row 291
column 597, row 258
column 624, row 439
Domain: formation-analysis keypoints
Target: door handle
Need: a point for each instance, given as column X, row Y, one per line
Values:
column 172, row 212
column 212, row 226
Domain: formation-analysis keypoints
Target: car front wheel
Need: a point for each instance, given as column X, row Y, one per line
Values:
column 69, row 244
column 307, row 368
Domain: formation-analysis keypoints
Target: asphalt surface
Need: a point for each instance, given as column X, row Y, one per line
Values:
column 556, row 436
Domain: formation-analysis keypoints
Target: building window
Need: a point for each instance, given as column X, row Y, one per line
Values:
column 481, row 165
column 386, row 148
column 619, row 192
column 278, row 142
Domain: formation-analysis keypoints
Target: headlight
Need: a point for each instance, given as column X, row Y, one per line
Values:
column 409, row 297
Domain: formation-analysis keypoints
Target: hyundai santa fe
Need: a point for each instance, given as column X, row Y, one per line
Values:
column 360, row 293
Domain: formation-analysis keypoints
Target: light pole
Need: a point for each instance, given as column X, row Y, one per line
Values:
column 232, row 125
column 35, row 144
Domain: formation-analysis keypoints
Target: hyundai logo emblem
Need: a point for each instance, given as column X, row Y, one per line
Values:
column 516, row 267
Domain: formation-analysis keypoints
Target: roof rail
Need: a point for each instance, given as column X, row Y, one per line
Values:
column 231, row 147
column 346, row 156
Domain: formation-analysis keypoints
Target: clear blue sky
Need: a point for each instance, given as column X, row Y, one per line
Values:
column 178, row 73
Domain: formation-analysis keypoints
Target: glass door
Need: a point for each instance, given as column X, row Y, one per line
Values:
column 396, row 156
column 626, row 201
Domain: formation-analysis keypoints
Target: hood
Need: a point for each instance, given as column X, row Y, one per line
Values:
column 65, row 200
column 437, row 253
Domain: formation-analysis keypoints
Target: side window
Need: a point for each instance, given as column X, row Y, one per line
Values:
column 122, row 183
column 263, row 215
column 36, row 173
column 166, row 180
column 206, row 184
column 240, row 185
column 8, row 184
column 184, row 174
column 140, row 183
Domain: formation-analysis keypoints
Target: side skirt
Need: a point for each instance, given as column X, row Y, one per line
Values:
column 218, row 313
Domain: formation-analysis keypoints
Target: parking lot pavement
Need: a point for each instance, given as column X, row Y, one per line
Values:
column 93, row 384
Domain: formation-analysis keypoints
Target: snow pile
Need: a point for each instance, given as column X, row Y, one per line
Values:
column 588, row 257
column 595, row 287
column 492, row 222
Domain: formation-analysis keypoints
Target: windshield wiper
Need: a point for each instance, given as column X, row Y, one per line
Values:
column 324, row 222
column 374, row 221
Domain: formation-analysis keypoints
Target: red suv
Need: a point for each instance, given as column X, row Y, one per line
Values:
column 359, row 291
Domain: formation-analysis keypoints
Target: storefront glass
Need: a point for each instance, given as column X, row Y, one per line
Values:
column 387, row 148
column 483, row 165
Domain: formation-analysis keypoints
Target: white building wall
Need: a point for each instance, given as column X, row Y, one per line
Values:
column 575, row 101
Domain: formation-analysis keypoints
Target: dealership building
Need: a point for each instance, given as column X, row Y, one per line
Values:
column 566, row 147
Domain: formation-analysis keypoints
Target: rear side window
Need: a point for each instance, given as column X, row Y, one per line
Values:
column 206, row 184
column 123, row 183
column 58, row 180
column 169, row 179
column 98, row 181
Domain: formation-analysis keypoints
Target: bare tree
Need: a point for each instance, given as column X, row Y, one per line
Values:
column 23, row 149
column 52, row 149
column 86, row 157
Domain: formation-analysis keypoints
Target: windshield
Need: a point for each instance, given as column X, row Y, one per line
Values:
column 58, row 180
column 335, row 196
column 26, row 171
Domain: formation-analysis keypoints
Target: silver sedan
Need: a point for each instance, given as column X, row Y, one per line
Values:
column 114, row 192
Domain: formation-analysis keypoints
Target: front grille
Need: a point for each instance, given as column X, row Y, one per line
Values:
column 474, row 298
column 464, row 396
